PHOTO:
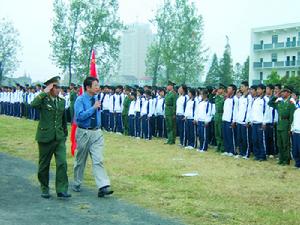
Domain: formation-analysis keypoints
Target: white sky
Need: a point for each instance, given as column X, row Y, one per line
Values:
column 234, row 18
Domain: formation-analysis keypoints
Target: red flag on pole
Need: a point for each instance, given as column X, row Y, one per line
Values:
column 93, row 73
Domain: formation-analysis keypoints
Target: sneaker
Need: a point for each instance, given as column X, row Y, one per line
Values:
column 230, row 154
column 245, row 157
column 237, row 156
column 225, row 153
column 271, row 156
column 76, row 188
column 201, row 151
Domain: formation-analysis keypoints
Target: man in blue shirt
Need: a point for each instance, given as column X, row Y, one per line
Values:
column 89, row 138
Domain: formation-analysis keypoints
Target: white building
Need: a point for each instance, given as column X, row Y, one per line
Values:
column 133, row 50
column 274, row 48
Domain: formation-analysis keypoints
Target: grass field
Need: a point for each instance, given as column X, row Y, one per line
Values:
column 148, row 173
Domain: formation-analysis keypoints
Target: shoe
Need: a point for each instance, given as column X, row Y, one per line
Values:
column 63, row 195
column 271, row 156
column 225, row 153
column 106, row 190
column 230, row 154
column 76, row 188
column 45, row 195
column 237, row 156
column 245, row 157
column 201, row 151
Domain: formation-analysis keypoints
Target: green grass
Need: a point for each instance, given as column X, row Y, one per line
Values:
column 147, row 173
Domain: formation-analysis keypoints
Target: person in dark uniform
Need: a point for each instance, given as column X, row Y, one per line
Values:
column 170, row 113
column 51, row 137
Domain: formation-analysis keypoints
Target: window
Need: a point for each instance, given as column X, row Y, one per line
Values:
column 274, row 39
column 274, row 57
column 287, row 74
column 261, row 76
column 298, row 72
column 293, row 73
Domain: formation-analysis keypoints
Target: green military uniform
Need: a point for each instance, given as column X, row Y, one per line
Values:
column 51, row 137
column 285, row 118
column 126, row 105
column 219, row 103
column 170, row 113
column 73, row 96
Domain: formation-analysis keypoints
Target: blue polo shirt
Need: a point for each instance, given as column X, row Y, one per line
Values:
column 84, row 110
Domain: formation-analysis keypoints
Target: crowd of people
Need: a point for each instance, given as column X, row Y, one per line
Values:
column 263, row 120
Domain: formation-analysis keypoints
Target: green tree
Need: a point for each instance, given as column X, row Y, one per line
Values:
column 245, row 70
column 238, row 74
column 274, row 78
column 226, row 65
column 9, row 48
column 213, row 75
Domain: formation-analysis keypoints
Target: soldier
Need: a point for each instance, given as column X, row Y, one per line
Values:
column 219, row 104
column 170, row 113
column 285, row 110
column 51, row 137
column 125, row 111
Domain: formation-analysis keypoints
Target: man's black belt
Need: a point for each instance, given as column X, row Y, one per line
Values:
column 89, row 128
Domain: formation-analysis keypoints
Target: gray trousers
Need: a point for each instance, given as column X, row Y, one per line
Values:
column 90, row 142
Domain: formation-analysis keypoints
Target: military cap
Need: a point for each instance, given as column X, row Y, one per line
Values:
column 261, row 86
column 72, row 84
column 171, row 83
column 288, row 89
column 222, row 86
column 55, row 79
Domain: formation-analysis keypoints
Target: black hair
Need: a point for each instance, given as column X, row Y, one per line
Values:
column 277, row 85
column 184, row 87
column 88, row 82
column 245, row 83
column 192, row 91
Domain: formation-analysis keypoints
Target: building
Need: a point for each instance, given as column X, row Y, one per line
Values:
column 135, row 41
column 274, row 48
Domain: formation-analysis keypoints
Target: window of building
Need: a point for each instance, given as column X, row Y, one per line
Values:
column 298, row 72
column 261, row 76
column 274, row 39
column 293, row 73
column 274, row 57
column 287, row 74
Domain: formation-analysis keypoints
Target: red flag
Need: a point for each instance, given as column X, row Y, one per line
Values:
column 93, row 73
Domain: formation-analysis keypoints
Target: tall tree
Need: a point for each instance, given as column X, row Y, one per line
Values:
column 273, row 78
column 213, row 75
column 238, row 74
column 226, row 65
column 245, row 70
column 9, row 47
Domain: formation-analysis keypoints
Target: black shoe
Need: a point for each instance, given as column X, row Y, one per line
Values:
column 104, row 191
column 45, row 195
column 63, row 195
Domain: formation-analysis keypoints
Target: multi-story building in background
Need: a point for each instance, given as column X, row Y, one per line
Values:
column 135, row 41
column 274, row 48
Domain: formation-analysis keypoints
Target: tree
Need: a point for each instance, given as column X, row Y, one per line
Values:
column 9, row 47
column 178, row 45
column 80, row 27
column 245, row 70
column 213, row 75
column 226, row 65
column 238, row 74
column 273, row 78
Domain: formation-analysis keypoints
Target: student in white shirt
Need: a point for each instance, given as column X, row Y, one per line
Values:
column 295, row 128
column 258, row 122
column 138, row 106
column 159, row 114
column 242, row 119
column 118, row 100
column 228, row 121
column 180, row 110
column 131, row 114
column 146, row 114
column 112, row 123
column 190, row 127
column 105, row 108
column 203, row 117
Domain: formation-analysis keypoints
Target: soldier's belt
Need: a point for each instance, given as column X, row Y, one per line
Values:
column 284, row 118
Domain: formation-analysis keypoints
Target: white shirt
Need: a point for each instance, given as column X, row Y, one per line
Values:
column 244, row 109
column 1, row 96
column 105, row 101
column 139, row 103
column 296, row 122
column 147, row 108
column 204, row 111
column 117, row 103
column 181, row 104
column 67, row 98
column 30, row 97
column 131, row 108
column 111, row 103
column 258, row 110
column 190, row 109
column 230, row 109
column 160, row 106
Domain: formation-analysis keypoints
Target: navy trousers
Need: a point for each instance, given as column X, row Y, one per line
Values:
column 259, row 142
column 243, row 139
column 112, row 122
column 204, row 135
column 180, row 128
column 119, row 122
column 146, row 127
column 131, row 121
column 229, row 138
column 161, row 126
column 190, row 133
column 270, row 139
column 296, row 149
column 138, row 124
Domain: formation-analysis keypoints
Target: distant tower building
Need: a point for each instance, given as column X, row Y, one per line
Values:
column 274, row 48
column 133, row 50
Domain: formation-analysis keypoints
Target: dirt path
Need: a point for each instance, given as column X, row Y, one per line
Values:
column 20, row 202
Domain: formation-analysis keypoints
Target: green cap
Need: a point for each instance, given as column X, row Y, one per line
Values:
column 171, row 83
column 55, row 79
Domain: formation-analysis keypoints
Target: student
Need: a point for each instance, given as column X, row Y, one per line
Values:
column 131, row 114
column 146, row 115
column 180, row 110
column 138, row 106
column 159, row 113
column 190, row 139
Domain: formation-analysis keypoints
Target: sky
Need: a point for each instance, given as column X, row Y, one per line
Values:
column 233, row 18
